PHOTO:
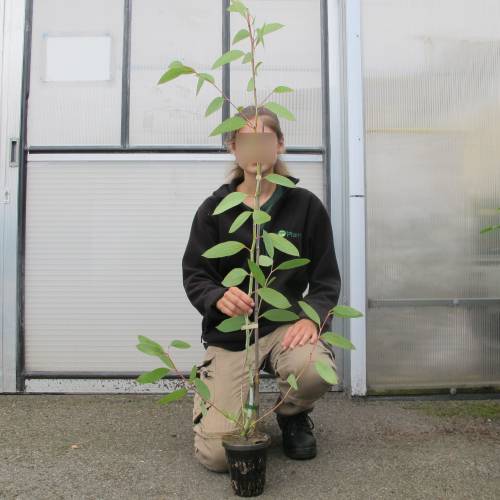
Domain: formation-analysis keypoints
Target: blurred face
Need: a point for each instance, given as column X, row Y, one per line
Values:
column 250, row 147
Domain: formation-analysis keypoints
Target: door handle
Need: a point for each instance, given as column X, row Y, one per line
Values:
column 14, row 152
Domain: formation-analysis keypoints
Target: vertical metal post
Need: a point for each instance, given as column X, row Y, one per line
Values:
column 125, row 118
column 357, row 208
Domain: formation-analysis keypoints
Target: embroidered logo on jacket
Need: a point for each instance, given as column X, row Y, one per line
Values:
column 288, row 234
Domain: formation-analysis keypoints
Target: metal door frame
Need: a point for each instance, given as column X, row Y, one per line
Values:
column 12, row 41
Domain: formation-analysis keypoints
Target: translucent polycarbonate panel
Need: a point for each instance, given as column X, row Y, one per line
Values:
column 291, row 57
column 104, row 244
column 434, row 346
column 171, row 113
column 431, row 73
column 75, row 73
column 428, row 196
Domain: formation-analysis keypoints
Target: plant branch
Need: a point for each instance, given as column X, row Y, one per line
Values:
column 193, row 386
column 298, row 377
column 227, row 99
column 265, row 99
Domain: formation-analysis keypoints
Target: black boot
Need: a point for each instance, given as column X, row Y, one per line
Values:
column 298, row 440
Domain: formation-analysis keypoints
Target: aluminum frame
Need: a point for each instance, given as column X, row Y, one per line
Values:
column 12, row 39
column 357, row 193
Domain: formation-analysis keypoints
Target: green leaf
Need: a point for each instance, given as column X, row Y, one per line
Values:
column 152, row 376
column 260, row 217
column 279, row 110
column 280, row 179
column 488, row 229
column 292, row 380
column 214, row 106
column 269, row 28
column 240, row 220
column 180, row 344
column 166, row 359
column 271, row 280
column 174, row 72
column 260, row 36
column 223, row 249
column 251, row 84
column 229, row 201
column 202, row 78
column 199, row 85
column 311, row 313
column 234, row 277
column 292, row 264
column 146, row 340
column 237, row 6
column 346, row 312
column 233, row 123
column 337, row 340
column 202, row 388
column 281, row 243
column 149, row 349
column 203, row 408
column 326, row 372
column 230, row 416
column 173, row 396
column 280, row 315
column 241, row 35
column 282, row 88
column 207, row 76
column 247, row 58
column 227, row 57
column 175, row 63
column 273, row 297
column 268, row 243
column 257, row 272
column 265, row 261
column 194, row 372
column 231, row 324
column 257, row 66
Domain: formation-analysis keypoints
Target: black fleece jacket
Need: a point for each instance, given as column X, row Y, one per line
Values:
column 302, row 218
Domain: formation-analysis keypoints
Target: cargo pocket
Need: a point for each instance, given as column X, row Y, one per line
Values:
column 205, row 372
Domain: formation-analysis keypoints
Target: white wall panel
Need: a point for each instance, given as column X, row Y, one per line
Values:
column 105, row 236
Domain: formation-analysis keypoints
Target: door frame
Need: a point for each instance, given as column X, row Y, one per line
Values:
column 12, row 42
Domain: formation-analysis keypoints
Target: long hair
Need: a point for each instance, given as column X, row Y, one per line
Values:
column 270, row 119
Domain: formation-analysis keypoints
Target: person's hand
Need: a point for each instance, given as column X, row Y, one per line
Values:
column 235, row 302
column 299, row 333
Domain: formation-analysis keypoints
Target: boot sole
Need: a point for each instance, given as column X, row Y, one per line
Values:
column 300, row 454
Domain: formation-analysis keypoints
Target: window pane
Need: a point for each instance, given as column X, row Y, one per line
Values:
column 172, row 113
column 75, row 79
column 291, row 57
column 432, row 114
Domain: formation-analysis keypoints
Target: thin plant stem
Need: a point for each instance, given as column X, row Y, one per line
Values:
column 193, row 386
column 298, row 377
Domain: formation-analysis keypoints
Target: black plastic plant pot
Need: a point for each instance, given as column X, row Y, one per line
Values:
column 247, row 457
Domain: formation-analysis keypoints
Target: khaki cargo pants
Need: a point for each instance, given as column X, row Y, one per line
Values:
column 222, row 371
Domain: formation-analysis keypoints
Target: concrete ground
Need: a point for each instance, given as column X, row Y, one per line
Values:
column 129, row 447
